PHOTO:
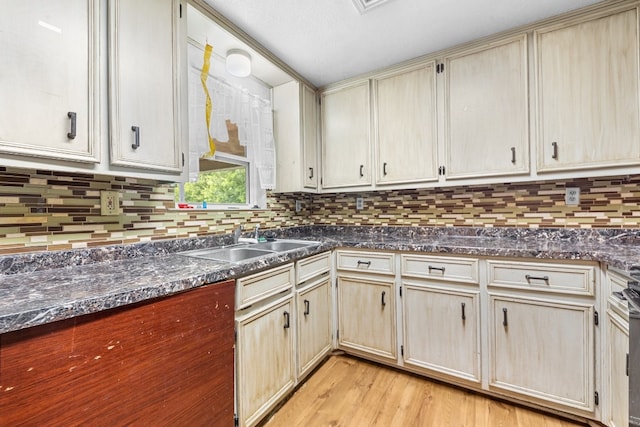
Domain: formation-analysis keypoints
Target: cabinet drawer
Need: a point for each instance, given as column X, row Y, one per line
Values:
column 441, row 268
column 366, row 261
column 548, row 277
column 313, row 266
column 256, row 287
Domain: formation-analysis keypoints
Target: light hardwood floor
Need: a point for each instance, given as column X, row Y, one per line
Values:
column 349, row 392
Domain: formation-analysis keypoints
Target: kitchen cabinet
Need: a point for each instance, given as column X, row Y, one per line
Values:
column 405, row 121
column 367, row 304
column 167, row 361
column 50, row 79
column 441, row 316
column 145, row 73
column 346, row 143
column 617, row 353
column 265, row 360
column 486, row 110
column 314, row 312
column 588, row 106
column 542, row 329
column 295, row 132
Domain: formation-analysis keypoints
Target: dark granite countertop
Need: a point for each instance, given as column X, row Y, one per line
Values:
column 38, row 288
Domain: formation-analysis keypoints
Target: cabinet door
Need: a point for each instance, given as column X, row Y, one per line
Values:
column 406, row 136
column 486, row 114
column 49, row 79
column 144, row 84
column 314, row 324
column 346, row 159
column 587, row 89
column 310, row 140
column 441, row 331
column 265, row 365
column 544, row 350
column 367, row 316
column 617, row 354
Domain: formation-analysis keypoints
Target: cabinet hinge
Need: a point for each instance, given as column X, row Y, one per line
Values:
column 596, row 318
column 235, row 335
column 596, row 398
column 401, row 350
column 236, row 421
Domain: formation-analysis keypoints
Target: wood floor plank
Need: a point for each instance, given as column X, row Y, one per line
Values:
column 349, row 392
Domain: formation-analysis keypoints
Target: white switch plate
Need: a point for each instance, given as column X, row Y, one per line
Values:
column 109, row 203
column 359, row 203
column 572, row 196
column 298, row 206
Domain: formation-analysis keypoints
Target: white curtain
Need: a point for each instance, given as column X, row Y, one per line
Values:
column 252, row 114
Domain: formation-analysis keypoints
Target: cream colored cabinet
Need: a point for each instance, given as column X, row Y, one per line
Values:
column 542, row 329
column 367, row 304
column 49, row 79
column 265, row 370
column 486, row 110
column 587, row 92
column 441, row 316
column 346, row 143
column 144, row 84
column 295, row 130
column 405, row 121
column 617, row 353
column 314, row 324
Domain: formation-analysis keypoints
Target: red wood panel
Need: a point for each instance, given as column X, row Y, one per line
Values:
column 165, row 362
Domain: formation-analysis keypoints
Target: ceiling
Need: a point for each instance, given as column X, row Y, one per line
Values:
column 326, row 41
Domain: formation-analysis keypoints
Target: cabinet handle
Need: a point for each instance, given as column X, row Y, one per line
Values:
column 555, row 150
column 310, row 173
column 504, row 317
column 286, row 320
column 306, row 307
column 136, row 132
column 440, row 269
column 367, row 263
column 513, row 155
column 383, row 301
column 384, row 169
column 530, row 278
column 627, row 364
column 72, row 132
column 361, row 171
column 464, row 316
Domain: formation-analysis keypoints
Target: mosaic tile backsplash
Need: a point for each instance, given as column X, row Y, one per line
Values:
column 42, row 210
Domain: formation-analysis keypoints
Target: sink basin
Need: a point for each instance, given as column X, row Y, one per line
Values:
column 228, row 254
column 282, row 245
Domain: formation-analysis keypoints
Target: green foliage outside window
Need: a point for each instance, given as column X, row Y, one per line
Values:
column 222, row 186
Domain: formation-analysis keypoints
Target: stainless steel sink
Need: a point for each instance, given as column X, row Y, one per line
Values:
column 282, row 245
column 242, row 252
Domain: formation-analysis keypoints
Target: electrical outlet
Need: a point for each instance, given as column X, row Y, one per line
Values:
column 572, row 196
column 109, row 203
column 359, row 203
column 298, row 206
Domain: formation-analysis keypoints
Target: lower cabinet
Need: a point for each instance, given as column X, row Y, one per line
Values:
column 441, row 330
column 543, row 349
column 313, row 303
column 161, row 362
column 265, row 363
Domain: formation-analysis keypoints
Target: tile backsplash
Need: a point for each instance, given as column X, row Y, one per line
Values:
column 42, row 210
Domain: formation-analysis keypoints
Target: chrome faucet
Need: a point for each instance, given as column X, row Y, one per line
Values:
column 236, row 234
column 238, row 239
column 257, row 232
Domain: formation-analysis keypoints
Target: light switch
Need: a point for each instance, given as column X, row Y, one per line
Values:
column 109, row 203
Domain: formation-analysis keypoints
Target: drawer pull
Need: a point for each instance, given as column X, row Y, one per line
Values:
column 440, row 269
column 464, row 317
column 367, row 263
column 286, row 320
column 505, row 323
column 543, row 278
column 383, row 301
column 306, row 307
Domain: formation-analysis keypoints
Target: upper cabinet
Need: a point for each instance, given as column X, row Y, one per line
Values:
column 49, row 79
column 486, row 110
column 587, row 92
column 405, row 121
column 144, row 84
column 346, row 128
column 295, row 128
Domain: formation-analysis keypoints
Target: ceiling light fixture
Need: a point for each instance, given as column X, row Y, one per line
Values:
column 238, row 63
